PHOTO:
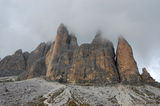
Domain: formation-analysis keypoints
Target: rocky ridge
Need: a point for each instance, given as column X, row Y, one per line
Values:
column 65, row 61
column 25, row 65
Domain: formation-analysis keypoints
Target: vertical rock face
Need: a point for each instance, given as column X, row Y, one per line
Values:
column 38, row 53
column 126, row 64
column 146, row 76
column 58, row 59
column 94, row 63
column 12, row 65
column 37, row 69
column 90, row 63
column 36, row 61
column 65, row 61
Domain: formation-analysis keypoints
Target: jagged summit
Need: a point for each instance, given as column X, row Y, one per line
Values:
column 65, row 61
column 62, row 29
column 126, row 63
column 64, row 39
column 146, row 77
column 18, row 52
column 97, row 38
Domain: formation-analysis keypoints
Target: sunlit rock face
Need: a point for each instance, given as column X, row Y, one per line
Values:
column 126, row 63
column 59, row 58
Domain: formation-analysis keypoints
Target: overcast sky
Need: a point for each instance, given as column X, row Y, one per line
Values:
column 26, row 23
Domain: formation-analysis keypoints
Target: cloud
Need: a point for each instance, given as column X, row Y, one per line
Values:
column 154, row 68
column 24, row 24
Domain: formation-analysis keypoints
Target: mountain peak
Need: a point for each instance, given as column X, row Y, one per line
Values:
column 126, row 63
column 97, row 38
column 92, row 63
column 146, row 77
column 18, row 52
column 121, row 39
column 62, row 29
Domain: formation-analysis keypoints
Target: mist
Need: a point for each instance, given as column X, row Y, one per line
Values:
column 24, row 24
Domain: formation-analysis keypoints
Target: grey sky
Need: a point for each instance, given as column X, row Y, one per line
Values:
column 26, row 23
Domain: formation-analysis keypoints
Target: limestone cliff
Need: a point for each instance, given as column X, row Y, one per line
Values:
column 94, row 63
column 65, row 61
column 86, row 64
column 126, row 63
column 36, row 61
column 13, row 65
column 59, row 57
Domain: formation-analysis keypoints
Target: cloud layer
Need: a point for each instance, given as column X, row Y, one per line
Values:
column 24, row 24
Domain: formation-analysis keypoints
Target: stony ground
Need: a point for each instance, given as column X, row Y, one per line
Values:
column 39, row 92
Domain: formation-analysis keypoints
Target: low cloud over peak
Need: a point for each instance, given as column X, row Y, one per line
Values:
column 24, row 24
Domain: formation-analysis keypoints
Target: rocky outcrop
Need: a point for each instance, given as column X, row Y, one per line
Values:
column 59, row 57
column 36, row 61
column 146, row 77
column 38, row 53
column 13, row 65
column 89, row 63
column 25, row 65
column 63, row 60
column 126, row 64
column 37, row 69
column 94, row 63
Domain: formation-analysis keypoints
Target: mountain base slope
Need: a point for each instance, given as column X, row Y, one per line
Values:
column 38, row 91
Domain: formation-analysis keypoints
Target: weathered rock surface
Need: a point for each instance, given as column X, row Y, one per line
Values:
column 25, row 65
column 59, row 57
column 39, row 92
column 38, row 53
column 89, row 63
column 36, row 61
column 94, row 63
column 12, row 65
column 146, row 77
column 126, row 64
column 37, row 69
column 65, row 61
